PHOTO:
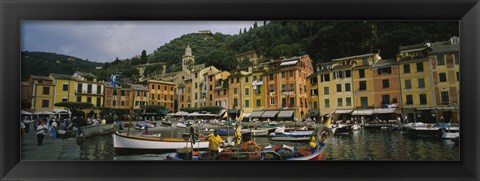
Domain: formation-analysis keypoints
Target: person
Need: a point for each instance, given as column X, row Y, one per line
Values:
column 54, row 128
column 313, row 143
column 103, row 121
column 22, row 128
column 26, row 121
column 238, row 135
column 214, row 140
column 63, row 127
column 41, row 129
column 193, row 135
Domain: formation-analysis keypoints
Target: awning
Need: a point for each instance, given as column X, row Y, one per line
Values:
column 446, row 108
column 256, row 114
column 246, row 115
column 286, row 114
column 363, row 112
column 384, row 110
column 43, row 113
column 25, row 112
column 425, row 108
column 181, row 113
column 221, row 112
column 269, row 114
column 343, row 111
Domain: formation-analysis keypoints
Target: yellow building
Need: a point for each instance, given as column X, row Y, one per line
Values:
column 235, row 95
column 363, row 84
column 313, row 97
column 64, row 89
column 140, row 96
column 161, row 93
column 221, row 89
column 41, row 93
column 88, row 89
column 324, row 87
column 416, row 83
column 445, row 64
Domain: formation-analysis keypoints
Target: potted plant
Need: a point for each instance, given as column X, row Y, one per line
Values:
column 185, row 153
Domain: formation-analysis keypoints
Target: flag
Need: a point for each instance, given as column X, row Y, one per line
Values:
column 113, row 80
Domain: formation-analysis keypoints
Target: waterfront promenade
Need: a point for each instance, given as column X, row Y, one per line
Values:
column 51, row 149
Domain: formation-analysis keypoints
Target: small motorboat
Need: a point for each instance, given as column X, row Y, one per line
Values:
column 180, row 125
column 129, row 141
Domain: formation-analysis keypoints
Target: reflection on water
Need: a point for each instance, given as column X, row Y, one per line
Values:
column 364, row 144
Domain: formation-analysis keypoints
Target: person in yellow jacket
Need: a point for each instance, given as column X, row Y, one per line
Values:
column 214, row 140
column 313, row 143
column 238, row 135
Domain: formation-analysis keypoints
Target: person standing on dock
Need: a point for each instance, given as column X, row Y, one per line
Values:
column 54, row 127
column 41, row 129
column 214, row 140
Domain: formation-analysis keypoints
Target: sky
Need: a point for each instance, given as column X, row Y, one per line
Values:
column 103, row 41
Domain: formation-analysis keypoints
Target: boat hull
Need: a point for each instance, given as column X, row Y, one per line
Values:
column 137, row 142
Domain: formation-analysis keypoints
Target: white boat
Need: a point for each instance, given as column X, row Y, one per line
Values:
column 180, row 125
column 450, row 132
column 259, row 132
column 123, row 141
column 280, row 130
column 288, row 138
column 355, row 127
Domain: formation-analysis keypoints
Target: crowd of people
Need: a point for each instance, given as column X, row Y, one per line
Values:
column 52, row 126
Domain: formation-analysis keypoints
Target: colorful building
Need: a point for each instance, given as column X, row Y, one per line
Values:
column 41, row 93
column 446, row 78
column 88, row 89
column 416, row 83
column 140, row 96
column 386, row 88
column 221, row 89
column 64, row 89
column 161, row 93
column 364, row 97
column 119, row 97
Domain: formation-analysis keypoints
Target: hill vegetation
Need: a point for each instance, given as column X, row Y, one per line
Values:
column 322, row 40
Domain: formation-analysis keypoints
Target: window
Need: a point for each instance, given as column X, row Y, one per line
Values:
column 326, row 77
column 457, row 58
column 64, row 99
column 235, row 102
column 164, row 97
column 409, row 100
column 339, row 87
column 152, row 96
column 123, row 103
column 441, row 60
column 138, row 93
column 123, row 93
column 385, row 83
column 99, row 101
column 46, row 90
column 421, row 83
column 158, row 96
column 158, row 87
column 238, row 79
column 339, row 102
column 315, row 105
column 284, row 102
column 363, row 85
column 114, row 103
column 211, row 88
column 458, row 76
column 292, row 101
column 45, row 103
column 283, row 74
column 246, row 79
column 89, row 88
column 327, row 103
column 290, row 74
column 171, row 97
column 271, row 76
column 326, row 91
column 292, row 87
column 218, row 92
column 394, row 100
column 247, row 91
column 224, row 92
column 165, row 88
column 348, row 73
column 272, row 101
column 443, row 77
column 254, row 78
column 79, row 99
column 423, row 99
column 89, row 99
column 196, row 86
column 196, row 96
column 406, row 68
column 364, row 101
column 284, row 87
column 348, row 101
column 247, row 103
column 271, row 88
column 387, row 70
column 385, row 99
column 444, row 95
column 347, row 87
column 261, row 77
column 420, row 67
column 259, row 103
column 361, row 73
column 79, row 88
column 171, row 88
column 234, row 90
column 153, row 86
column 65, row 87
column 408, row 84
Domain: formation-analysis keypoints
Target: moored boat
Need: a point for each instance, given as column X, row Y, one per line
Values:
column 125, row 141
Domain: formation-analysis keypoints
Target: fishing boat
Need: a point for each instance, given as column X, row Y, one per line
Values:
column 450, row 132
column 343, row 129
column 180, row 125
column 292, row 136
column 128, row 141
column 421, row 128
column 167, row 123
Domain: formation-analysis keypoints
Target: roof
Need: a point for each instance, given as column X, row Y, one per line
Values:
column 61, row 76
column 351, row 57
column 342, row 67
column 413, row 47
column 385, row 63
column 157, row 81
column 444, row 47
column 286, row 63
column 37, row 77
column 85, row 74
column 361, row 67
column 138, row 87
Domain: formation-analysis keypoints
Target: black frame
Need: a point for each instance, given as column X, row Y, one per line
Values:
column 12, row 12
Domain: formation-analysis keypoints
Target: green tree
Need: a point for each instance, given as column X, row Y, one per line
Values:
column 144, row 57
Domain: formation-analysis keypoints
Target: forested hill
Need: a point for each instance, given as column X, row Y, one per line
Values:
column 322, row 40
column 42, row 63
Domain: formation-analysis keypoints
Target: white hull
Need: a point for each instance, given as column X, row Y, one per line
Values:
column 262, row 132
column 137, row 142
column 356, row 127
column 287, row 138
column 453, row 135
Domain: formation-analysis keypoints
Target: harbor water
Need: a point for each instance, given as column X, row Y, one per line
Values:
column 363, row 144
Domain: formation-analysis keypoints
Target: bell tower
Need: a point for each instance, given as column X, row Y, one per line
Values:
column 188, row 60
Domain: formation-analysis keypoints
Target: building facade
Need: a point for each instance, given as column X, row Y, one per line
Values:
column 41, row 93
column 161, row 93
column 64, row 89
column 88, row 89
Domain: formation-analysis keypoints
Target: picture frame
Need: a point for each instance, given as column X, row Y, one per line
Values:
column 14, row 12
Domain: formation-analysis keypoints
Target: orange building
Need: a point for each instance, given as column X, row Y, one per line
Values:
column 386, row 88
column 161, row 93
column 118, row 98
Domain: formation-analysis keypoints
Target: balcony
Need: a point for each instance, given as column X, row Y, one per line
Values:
column 88, row 92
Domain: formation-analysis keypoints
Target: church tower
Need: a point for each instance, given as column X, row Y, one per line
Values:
column 188, row 60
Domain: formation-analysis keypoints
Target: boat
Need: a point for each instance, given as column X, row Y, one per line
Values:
column 259, row 132
column 167, row 123
column 129, row 141
column 223, row 132
column 180, row 125
column 343, row 129
column 450, row 132
column 421, row 128
column 355, row 127
column 292, row 136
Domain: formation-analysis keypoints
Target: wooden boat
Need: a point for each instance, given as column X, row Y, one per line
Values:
column 167, row 123
column 124, row 141
column 292, row 136
column 344, row 129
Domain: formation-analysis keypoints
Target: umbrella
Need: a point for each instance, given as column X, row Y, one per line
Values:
column 42, row 112
column 25, row 112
